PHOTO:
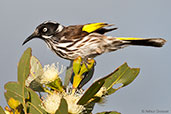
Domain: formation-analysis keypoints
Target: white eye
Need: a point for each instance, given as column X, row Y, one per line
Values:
column 45, row 29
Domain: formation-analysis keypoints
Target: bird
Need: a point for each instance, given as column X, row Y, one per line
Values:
column 86, row 40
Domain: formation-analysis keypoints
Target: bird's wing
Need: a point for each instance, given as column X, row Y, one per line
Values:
column 94, row 27
column 79, row 31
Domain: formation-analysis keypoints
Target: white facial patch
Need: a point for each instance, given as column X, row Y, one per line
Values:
column 46, row 37
column 60, row 28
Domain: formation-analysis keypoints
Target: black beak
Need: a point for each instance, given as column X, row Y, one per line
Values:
column 30, row 38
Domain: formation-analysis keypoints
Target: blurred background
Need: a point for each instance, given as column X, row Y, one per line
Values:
column 134, row 18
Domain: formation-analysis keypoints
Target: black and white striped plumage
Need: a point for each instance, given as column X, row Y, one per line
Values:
column 86, row 41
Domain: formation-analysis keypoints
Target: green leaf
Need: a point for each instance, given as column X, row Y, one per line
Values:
column 123, row 75
column 15, row 90
column 33, row 79
column 110, row 112
column 111, row 91
column 129, row 76
column 23, row 72
column 68, row 76
column 34, row 103
column 36, row 67
column 2, row 111
column 36, row 86
column 24, row 66
column 63, row 108
column 91, row 91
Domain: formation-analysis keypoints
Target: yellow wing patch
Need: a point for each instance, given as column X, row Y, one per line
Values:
column 94, row 26
column 128, row 38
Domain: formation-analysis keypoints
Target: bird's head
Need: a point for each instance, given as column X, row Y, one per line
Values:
column 45, row 31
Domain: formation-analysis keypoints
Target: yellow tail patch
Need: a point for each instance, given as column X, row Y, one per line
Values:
column 94, row 26
column 128, row 38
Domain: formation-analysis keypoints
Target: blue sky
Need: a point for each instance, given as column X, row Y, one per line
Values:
column 134, row 18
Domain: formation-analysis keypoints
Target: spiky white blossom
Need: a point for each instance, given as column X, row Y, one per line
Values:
column 73, row 107
column 50, row 74
column 51, row 103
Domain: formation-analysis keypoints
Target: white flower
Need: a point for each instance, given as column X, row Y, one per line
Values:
column 73, row 107
column 50, row 74
column 101, row 92
column 51, row 103
column 7, row 112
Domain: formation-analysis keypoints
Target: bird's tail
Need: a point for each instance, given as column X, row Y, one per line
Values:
column 154, row 42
